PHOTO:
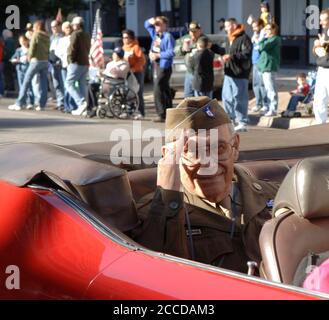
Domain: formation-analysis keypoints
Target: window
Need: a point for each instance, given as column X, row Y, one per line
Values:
column 293, row 17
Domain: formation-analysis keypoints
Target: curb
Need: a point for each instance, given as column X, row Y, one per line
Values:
column 281, row 123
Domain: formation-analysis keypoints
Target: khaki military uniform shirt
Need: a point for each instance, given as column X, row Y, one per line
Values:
column 170, row 219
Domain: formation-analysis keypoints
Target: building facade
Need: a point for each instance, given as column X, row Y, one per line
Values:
column 291, row 16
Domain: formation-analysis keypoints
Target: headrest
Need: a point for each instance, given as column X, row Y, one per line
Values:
column 305, row 190
column 104, row 188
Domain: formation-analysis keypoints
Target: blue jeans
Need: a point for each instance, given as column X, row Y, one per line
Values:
column 271, row 92
column 69, row 104
column 77, row 73
column 259, row 89
column 36, row 89
column 293, row 103
column 41, row 68
column 235, row 99
column 20, row 79
column 56, row 73
column 188, row 85
column 209, row 94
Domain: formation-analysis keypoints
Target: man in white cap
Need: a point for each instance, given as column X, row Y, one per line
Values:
column 77, row 70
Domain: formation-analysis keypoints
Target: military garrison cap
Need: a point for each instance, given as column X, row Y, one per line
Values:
column 195, row 113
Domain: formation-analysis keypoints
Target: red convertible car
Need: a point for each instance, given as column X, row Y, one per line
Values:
column 65, row 216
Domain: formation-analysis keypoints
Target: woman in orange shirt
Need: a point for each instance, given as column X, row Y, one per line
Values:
column 136, row 58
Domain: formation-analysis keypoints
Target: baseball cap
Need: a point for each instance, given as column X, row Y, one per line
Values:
column 29, row 26
column 119, row 51
column 77, row 20
column 194, row 25
column 54, row 23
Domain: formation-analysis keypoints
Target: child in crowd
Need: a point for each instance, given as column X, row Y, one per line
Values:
column 265, row 13
column 20, row 59
column 297, row 96
column 202, row 65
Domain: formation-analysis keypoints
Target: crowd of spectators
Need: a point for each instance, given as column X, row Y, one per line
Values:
column 65, row 55
column 64, row 58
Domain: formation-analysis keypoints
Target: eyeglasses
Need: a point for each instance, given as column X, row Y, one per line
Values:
column 219, row 151
column 125, row 37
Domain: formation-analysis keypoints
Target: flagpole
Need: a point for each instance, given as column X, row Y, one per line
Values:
column 91, row 14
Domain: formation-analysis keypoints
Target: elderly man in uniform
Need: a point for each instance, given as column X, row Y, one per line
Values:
column 204, row 208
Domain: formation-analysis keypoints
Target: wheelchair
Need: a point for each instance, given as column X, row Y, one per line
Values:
column 121, row 102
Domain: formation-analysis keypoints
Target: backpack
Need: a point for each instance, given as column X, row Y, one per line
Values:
column 313, row 272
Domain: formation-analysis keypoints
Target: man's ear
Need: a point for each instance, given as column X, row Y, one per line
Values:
column 236, row 150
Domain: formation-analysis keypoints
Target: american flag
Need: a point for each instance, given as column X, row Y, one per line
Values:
column 96, row 55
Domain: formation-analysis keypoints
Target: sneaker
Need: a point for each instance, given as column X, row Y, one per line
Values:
column 257, row 109
column 30, row 107
column 241, row 128
column 58, row 108
column 15, row 107
column 264, row 110
column 288, row 114
column 123, row 115
column 270, row 114
column 138, row 116
column 38, row 108
column 79, row 112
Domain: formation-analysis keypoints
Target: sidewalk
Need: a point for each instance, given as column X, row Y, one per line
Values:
column 286, row 81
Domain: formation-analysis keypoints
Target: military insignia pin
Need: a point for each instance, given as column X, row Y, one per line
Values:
column 270, row 204
column 208, row 112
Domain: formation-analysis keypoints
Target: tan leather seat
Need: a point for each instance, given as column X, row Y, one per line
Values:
column 301, row 224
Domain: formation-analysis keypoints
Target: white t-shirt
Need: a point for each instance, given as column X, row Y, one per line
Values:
column 62, row 48
column 117, row 69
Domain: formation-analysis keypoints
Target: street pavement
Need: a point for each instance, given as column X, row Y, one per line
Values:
column 53, row 126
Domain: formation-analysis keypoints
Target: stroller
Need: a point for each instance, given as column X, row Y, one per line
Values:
column 307, row 103
column 122, row 101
